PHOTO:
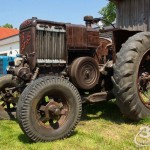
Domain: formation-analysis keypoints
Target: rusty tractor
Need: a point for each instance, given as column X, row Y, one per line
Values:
column 62, row 65
column 69, row 49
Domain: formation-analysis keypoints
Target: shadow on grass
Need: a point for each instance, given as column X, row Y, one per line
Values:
column 24, row 139
column 105, row 110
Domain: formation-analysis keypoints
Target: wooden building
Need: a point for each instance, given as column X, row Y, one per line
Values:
column 133, row 14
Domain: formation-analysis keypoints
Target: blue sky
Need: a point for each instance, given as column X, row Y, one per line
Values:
column 73, row 11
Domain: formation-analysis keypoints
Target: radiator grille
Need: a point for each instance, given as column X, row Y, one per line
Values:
column 50, row 45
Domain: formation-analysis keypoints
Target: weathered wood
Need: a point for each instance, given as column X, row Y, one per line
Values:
column 133, row 14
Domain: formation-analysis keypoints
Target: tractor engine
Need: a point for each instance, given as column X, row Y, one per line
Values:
column 63, row 49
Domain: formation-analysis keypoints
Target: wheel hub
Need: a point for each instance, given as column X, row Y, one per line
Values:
column 87, row 74
column 84, row 73
column 8, row 101
column 52, row 110
column 8, row 96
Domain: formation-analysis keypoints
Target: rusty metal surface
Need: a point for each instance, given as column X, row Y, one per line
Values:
column 76, row 37
column 105, row 45
column 50, row 45
column 98, row 97
column 27, row 45
column 143, row 84
column 80, row 37
column 48, row 40
column 84, row 73
column 33, row 22
column 93, row 38
column 41, row 43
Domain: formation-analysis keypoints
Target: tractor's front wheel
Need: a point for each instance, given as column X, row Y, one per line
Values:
column 9, row 96
column 49, row 109
column 132, row 77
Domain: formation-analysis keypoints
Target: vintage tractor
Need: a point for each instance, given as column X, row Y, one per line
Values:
column 62, row 65
column 65, row 65
column 69, row 48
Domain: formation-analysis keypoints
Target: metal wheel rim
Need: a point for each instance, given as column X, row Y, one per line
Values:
column 88, row 73
column 52, row 122
column 144, row 79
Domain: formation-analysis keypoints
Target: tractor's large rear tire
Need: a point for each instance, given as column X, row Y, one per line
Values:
column 49, row 109
column 132, row 77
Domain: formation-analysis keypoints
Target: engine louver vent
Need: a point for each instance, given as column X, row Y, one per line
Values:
column 50, row 45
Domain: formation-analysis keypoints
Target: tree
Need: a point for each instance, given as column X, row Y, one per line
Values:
column 109, row 12
column 7, row 25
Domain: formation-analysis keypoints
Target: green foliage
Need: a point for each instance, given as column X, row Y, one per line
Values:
column 7, row 25
column 109, row 12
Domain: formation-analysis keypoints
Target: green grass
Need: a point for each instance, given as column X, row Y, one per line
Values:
column 102, row 127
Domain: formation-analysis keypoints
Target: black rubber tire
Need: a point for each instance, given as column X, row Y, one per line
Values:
column 5, row 82
column 77, row 76
column 125, row 76
column 28, row 122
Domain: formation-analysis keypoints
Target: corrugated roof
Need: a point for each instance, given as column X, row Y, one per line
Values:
column 7, row 32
